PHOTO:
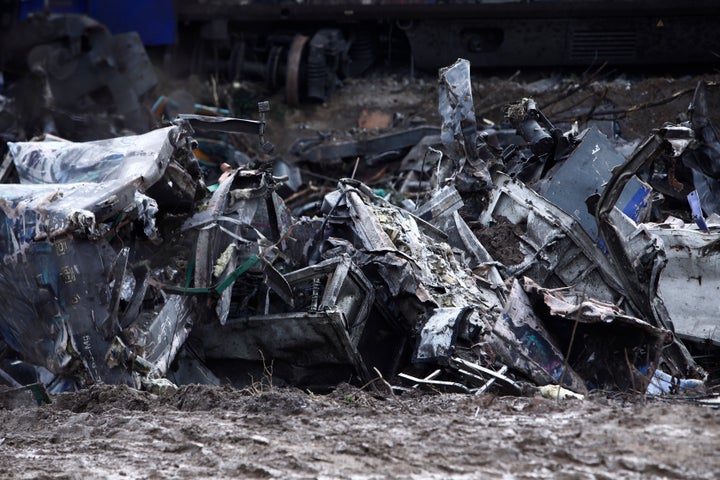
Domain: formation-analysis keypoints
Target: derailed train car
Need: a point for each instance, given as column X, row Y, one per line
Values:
column 494, row 32
column 308, row 46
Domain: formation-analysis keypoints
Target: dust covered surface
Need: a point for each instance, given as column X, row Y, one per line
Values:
column 220, row 432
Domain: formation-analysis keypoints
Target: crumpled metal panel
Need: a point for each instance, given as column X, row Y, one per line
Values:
column 305, row 349
column 690, row 280
column 414, row 270
column 457, row 110
column 583, row 174
column 556, row 251
column 36, row 212
column 136, row 158
column 239, row 221
column 639, row 256
column 521, row 341
column 439, row 334
column 606, row 347
column 58, row 307
column 158, row 336
column 367, row 226
column 459, row 128
column 435, row 274
column 64, row 282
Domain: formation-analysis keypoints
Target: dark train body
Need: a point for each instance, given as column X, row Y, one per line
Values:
column 495, row 32
column 306, row 46
column 302, row 43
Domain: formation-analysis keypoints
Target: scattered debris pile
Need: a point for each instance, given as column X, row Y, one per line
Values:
column 506, row 259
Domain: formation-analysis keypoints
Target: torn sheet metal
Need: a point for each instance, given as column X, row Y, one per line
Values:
column 159, row 163
column 520, row 341
column 553, row 250
column 608, row 349
column 415, row 273
column 583, row 174
column 638, row 255
column 410, row 261
column 61, row 309
column 439, row 334
column 99, row 180
column 158, row 335
column 37, row 212
column 368, row 280
column 239, row 223
column 442, row 203
column 73, row 307
column 210, row 123
column 58, row 307
column 457, row 110
column 690, row 279
column 137, row 158
column 231, row 210
column 459, row 128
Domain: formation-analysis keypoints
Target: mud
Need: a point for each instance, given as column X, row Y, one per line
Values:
column 203, row 432
column 502, row 241
column 638, row 103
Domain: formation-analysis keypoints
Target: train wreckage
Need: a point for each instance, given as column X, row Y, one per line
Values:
column 505, row 261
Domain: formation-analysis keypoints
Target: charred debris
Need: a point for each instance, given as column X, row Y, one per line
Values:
column 506, row 259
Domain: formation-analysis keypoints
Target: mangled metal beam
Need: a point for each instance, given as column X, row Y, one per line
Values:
column 459, row 134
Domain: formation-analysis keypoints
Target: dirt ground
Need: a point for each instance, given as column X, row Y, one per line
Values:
column 203, row 432
column 638, row 102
